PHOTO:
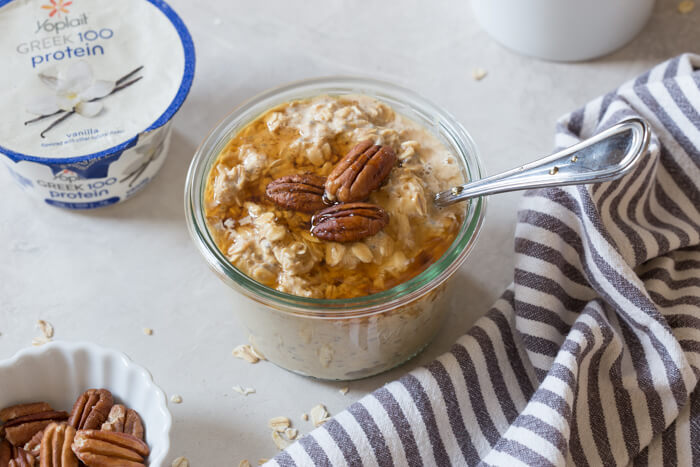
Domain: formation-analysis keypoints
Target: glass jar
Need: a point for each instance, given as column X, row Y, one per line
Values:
column 339, row 339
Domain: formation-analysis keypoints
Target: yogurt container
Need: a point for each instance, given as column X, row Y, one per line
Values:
column 89, row 88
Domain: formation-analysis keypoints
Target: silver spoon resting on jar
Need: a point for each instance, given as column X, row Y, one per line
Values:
column 606, row 156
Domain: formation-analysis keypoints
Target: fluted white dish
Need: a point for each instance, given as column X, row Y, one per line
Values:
column 58, row 372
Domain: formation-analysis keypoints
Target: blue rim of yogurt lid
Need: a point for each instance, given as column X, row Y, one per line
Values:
column 183, row 90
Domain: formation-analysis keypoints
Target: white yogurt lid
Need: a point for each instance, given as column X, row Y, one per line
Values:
column 83, row 78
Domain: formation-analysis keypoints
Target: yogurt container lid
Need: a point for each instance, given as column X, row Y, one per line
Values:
column 86, row 77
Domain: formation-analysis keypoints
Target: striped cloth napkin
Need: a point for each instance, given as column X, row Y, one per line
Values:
column 592, row 355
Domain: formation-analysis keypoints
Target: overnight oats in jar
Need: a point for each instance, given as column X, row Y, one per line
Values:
column 315, row 202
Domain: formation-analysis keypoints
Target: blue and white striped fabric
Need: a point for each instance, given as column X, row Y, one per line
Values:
column 592, row 355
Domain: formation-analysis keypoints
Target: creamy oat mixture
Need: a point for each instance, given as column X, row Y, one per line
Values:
column 274, row 246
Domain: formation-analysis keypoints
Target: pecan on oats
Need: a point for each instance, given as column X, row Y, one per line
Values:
column 109, row 449
column 91, row 409
column 22, row 422
column 360, row 172
column 56, row 446
column 348, row 222
column 123, row 420
column 300, row 192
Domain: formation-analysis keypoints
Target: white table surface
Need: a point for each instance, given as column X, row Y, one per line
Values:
column 104, row 275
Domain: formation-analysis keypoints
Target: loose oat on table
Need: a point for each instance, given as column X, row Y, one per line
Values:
column 274, row 246
column 248, row 353
column 181, row 462
column 244, row 463
column 245, row 391
column 257, row 353
column 291, row 433
column 41, row 340
column 46, row 328
column 148, row 331
column 279, row 441
column 279, row 423
column 262, row 461
column 319, row 415
column 305, row 417
column 686, row 6
column 344, row 390
column 176, row 399
column 479, row 73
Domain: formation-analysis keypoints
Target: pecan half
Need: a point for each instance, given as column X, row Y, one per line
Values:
column 348, row 222
column 20, row 430
column 360, row 172
column 300, row 192
column 5, row 453
column 109, row 449
column 33, row 446
column 123, row 420
column 21, row 458
column 56, row 446
column 21, row 410
column 91, row 409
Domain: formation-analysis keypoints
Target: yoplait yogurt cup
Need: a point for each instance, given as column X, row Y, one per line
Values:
column 90, row 89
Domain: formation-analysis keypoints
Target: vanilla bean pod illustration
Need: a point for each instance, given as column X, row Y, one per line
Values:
column 122, row 83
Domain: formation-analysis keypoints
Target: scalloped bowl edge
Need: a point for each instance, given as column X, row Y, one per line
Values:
column 58, row 372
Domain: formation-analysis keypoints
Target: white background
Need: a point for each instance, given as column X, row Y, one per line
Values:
column 104, row 275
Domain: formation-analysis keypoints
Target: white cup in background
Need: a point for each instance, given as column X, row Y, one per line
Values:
column 564, row 30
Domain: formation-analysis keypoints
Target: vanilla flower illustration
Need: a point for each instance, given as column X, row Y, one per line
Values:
column 75, row 89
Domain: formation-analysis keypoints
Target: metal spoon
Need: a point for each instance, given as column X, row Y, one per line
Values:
column 606, row 156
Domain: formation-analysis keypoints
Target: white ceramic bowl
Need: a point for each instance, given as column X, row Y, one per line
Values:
column 59, row 372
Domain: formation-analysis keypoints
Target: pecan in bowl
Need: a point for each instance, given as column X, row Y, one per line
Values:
column 124, row 420
column 33, row 446
column 22, row 422
column 91, row 409
column 62, row 372
column 98, row 448
column 56, row 443
column 56, row 446
column 5, row 452
column 21, row 458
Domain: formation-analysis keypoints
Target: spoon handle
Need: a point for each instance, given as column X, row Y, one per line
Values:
column 606, row 156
